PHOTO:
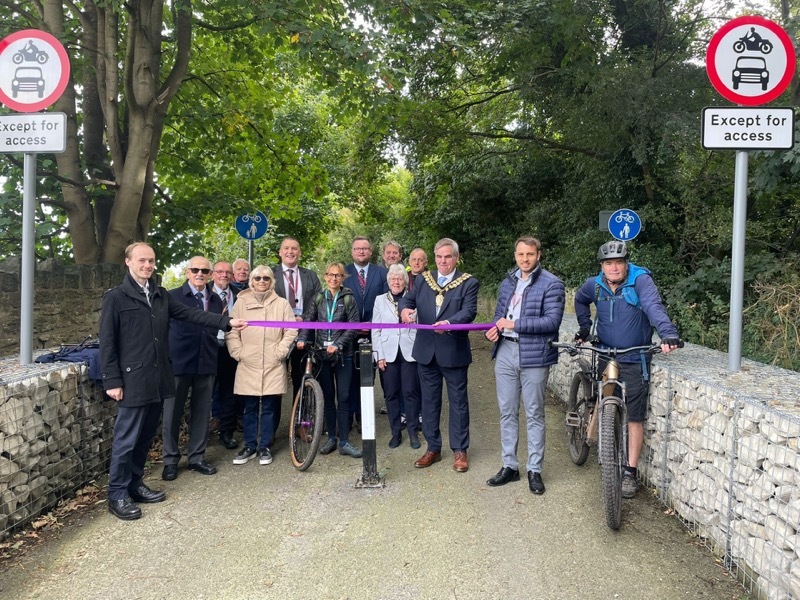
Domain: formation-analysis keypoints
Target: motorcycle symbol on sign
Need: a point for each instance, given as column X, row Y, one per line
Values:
column 30, row 53
column 752, row 41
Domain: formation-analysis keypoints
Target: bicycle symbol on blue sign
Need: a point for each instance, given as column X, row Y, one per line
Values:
column 624, row 224
column 252, row 226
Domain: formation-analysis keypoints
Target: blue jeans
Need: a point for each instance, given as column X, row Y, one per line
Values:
column 266, row 406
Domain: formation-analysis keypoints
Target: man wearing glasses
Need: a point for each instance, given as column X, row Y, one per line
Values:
column 368, row 281
column 194, row 351
column 226, row 406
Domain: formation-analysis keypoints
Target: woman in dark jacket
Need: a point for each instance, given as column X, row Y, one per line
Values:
column 335, row 305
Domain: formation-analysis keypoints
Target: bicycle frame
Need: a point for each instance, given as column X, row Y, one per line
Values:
column 603, row 387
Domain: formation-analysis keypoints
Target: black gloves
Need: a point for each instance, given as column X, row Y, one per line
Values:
column 582, row 335
column 673, row 342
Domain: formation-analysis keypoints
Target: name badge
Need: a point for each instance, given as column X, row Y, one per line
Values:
column 298, row 312
column 325, row 344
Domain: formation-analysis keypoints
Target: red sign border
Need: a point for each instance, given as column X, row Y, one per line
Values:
column 733, row 96
column 62, row 82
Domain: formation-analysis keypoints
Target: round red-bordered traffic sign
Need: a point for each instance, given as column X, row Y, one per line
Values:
column 34, row 70
column 750, row 60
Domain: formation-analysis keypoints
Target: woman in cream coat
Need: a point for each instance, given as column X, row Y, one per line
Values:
column 261, row 353
column 393, row 348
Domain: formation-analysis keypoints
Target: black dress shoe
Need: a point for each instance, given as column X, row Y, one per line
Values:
column 535, row 482
column 395, row 441
column 145, row 495
column 226, row 439
column 170, row 473
column 124, row 509
column 203, row 467
column 504, row 476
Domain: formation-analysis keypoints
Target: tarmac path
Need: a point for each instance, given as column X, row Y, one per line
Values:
column 256, row 531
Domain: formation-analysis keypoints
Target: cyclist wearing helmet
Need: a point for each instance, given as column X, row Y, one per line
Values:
column 628, row 308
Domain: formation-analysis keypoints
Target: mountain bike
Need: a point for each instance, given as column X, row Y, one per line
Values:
column 307, row 420
column 604, row 424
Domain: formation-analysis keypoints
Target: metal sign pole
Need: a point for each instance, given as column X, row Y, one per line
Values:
column 28, row 259
column 250, row 254
column 737, row 262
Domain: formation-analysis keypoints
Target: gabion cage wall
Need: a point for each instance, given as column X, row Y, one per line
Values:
column 723, row 451
column 55, row 437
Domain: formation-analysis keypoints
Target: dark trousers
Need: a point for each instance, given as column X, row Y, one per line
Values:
column 401, row 389
column 430, row 379
column 134, row 429
column 263, row 406
column 199, row 413
column 230, row 405
column 335, row 378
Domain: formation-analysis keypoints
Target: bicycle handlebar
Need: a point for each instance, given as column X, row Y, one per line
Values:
column 573, row 348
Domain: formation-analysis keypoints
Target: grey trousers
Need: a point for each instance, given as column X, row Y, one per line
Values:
column 199, row 414
column 530, row 382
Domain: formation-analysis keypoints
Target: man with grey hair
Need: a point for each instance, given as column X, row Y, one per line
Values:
column 195, row 353
column 445, row 296
column 241, row 274
column 392, row 254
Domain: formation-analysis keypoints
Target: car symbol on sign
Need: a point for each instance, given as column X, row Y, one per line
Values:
column 750, row 69
column 27, row 79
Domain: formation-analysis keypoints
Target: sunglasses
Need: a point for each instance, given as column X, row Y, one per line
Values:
column 196, row 270
column 261, row 278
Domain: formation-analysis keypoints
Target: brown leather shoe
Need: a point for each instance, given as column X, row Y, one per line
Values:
column 460, row 462
column 427, row 459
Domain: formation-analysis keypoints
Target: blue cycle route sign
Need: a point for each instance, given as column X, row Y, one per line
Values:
column 624, row 224
column 252, row 226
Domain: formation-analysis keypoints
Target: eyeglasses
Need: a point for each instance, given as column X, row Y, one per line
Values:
column 361, row 249
column 222, row 272
column 261, row 278
column 196, row 270
column 334, row 275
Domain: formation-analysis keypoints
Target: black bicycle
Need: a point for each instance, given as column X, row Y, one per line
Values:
column 307, row 424
column 604, row 425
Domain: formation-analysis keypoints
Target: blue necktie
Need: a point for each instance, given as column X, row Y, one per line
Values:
column 442, row 280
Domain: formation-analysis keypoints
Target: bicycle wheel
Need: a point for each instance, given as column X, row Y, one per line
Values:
column 611, row 466
column 578, row 417
column 305, row 428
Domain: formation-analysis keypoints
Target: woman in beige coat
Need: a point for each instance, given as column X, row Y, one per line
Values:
column 261, row 353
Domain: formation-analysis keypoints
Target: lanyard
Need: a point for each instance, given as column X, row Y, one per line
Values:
column 292, row 281
column 331, row 309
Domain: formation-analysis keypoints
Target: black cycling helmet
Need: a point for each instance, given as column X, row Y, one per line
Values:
column 613, row 249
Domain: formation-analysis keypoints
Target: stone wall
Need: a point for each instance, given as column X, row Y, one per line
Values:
column 723, row 451
column 55, row 437
column 66, row 302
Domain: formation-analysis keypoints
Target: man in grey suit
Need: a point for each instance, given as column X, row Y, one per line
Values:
column 299, row 286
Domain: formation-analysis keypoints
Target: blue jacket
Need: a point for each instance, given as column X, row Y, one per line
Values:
column 621, row 324
column 541, row 311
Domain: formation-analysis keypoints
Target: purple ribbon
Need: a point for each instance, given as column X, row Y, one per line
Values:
column 340, row 325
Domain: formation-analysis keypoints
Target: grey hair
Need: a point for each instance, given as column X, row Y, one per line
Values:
column 394, row 270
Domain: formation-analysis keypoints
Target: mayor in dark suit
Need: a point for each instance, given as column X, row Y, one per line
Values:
column 299, row 286
column 442, row 297
column 137, row 373
column 194, row 352
column 367, row 281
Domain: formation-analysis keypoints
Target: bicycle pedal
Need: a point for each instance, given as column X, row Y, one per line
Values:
column 573, row 419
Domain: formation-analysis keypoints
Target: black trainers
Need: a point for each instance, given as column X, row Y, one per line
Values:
column 244, row 456
column 630, row 485
column 535, row 483
column 264, row 456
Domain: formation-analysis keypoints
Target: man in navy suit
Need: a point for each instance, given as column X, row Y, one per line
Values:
column 228, row 405
column 368, row 281
column 443, row 297
column 299, row 286
column 194, row 350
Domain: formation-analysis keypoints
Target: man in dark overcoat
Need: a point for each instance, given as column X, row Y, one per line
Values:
column 136, row 371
